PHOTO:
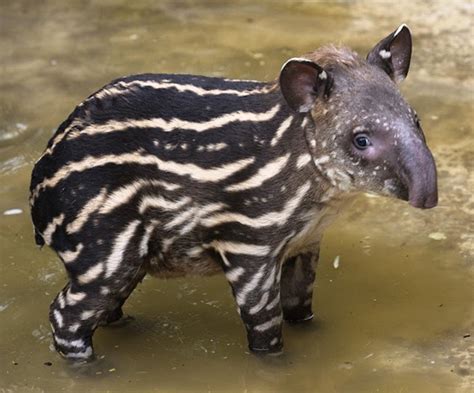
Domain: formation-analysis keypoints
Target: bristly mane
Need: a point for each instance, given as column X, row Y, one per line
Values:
column 331, row 55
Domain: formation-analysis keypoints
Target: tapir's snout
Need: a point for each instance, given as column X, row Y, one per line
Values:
column 418, row 173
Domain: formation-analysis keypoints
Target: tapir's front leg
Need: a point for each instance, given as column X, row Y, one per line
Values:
column 255, row 285
column 297, row 280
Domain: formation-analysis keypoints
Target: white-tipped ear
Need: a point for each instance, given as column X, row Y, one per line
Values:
column 393, row 53
column 302, row 81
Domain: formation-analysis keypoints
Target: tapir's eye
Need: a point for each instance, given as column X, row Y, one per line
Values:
column 361, row 141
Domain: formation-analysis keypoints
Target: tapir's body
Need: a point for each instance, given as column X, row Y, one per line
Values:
column 175, row 175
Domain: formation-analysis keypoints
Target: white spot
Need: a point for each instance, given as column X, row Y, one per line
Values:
column 385, row 54
column 74, row 327
column 335, row 263
column 437, row 236
column 104, row 290
column 323, row 75
column 12, row 212
column 87, row 314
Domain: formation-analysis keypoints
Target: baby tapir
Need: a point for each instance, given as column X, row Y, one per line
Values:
column 177, row 174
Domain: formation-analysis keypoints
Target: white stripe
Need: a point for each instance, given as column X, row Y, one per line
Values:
column 58, row 318
column 195, row 172
column 126, row 86
column 176, row 124
column 61, row 301
column 143, row 249
column 124, row 194
column 194, row 252
column 270, row 280
column 242, row 294
column 48, row 232
column 74, row 298
column 303, row 160
column 282, row 244
column 263, row 301
column 69, row 344
column 87, row 314
column 273, row 168
column 200, row 212
column 281, row 130
column 239, row 248
column 273, row 303
column 120, row 244
column 90, row 207
column 179, row 219
column 234, row 274
column 278, row 218
column 79, row 355
column 169, row 126
column 162, row 203
column 91, row 274
column 71, row 256
column 269, row 324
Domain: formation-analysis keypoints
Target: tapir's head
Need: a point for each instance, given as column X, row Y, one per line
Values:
column 362, row 133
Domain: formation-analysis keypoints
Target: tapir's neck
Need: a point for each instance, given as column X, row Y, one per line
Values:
column 294, row 134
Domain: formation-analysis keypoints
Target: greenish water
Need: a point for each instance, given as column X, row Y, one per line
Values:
column 394, row 317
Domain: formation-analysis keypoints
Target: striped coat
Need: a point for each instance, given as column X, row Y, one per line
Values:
column 179, row 174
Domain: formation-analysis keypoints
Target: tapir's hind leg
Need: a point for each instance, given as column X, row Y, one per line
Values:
column 117, row 313
column 92, row 297
column 297, row 280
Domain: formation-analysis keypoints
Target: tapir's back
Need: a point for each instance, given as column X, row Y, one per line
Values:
column 171, row 129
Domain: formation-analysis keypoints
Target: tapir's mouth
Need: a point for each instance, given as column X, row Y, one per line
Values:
column 423, row 202
column 419, row 194
column 401, row 190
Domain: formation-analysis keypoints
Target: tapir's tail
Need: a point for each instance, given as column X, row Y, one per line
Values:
column 39, row 239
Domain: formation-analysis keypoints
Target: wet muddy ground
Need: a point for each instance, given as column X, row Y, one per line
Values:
column 395, row 316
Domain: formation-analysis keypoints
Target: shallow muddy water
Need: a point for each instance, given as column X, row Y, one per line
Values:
column 395, row 316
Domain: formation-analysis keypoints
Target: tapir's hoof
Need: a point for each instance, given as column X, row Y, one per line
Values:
column 85, row 356
column 122, row 321
column 299, row 319
column 276, row 350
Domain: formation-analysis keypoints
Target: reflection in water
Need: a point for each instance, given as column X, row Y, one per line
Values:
column 396, row 315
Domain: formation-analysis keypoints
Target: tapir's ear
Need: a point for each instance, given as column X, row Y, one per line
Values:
column 393, row 54
column 301, row 82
